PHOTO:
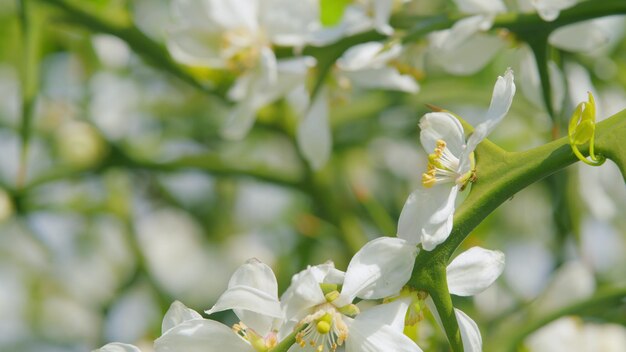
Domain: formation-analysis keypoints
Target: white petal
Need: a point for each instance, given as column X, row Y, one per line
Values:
column 367, row 56
column 201, row 335
column 382, row 12
column 195, row 47
column 579, row 37
column 452, row 39
column 304, row 292
column 383, row 78
column 314, row 135
column 118, row 347
column 436, row 126
column 253, row 295
column 193, row 13
column 240, row 121
column 549, row 10
column 470, row 55
column 427, row 215
column 177, row 314
column 255, row 274
column 234, row 14
column 391, row 314
column 470, row 334
column 290, row 23
column 501, row 101
column 260, row 87
column 369, row 333
column 480, row 6
column 379, row 269
column 472, row 271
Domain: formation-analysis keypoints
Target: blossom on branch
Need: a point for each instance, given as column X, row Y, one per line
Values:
column 428, row 212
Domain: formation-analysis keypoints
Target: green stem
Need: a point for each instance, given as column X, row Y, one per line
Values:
column 288, row 341
column 30, row 74
column 443, row 302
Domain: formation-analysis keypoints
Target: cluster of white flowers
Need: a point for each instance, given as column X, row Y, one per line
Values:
column 319, row 306
column 239, row 36
column 364, row 308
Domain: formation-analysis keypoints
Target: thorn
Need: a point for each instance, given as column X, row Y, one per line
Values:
column 434, row 108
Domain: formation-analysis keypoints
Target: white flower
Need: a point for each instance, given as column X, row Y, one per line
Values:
column 251, row 294
column 428, row 212
column 237, row 35
column 470, row 273
column 333, row 320
column 464, row 49
column 369, row 65
column 263, row 85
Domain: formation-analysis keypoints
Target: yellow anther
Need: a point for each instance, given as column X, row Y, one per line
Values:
column 350, row 310
column 331, row 296
column 428, row 179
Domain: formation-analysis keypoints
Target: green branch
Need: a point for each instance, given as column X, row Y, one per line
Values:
column 31, row 32
column 500, row 175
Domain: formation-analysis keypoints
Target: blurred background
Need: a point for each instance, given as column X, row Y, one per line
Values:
column 127, row 198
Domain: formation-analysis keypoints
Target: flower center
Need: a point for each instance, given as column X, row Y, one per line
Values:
column 325, row 330
column 241, row 48
column 442, row 166
column 261, row 344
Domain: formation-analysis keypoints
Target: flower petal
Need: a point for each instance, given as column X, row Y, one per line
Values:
column 379, row 269
column 260, row 87
column 195, row 47
column 444, row 126
column 470, row 55
column 392, row 314
column 177, row 314
column 549, row 10
column 314, row 135
column 240, row 120
column 253, row 295
column 579, row 37
column 304, row 291
column 501, row 101
column 470, row 334
column 201, row 335
column 449, row 40
column 480, row 6
column 367, row 56
column 383, row 78
column 472, row 271
column 369, row 333
column 118, row 347
column 427, row 215
column 234, row 14
column 382, row 12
